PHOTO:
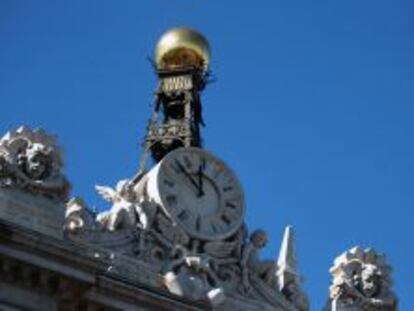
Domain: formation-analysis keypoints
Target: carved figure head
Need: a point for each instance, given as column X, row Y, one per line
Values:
column 259, row 238
column 364, row 271
column 370, row 281
column 35, row 162
column 32, row 161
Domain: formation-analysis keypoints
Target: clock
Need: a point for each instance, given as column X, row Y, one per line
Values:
column 199, row 192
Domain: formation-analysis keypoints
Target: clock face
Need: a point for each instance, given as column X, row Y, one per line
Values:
column 199, row 192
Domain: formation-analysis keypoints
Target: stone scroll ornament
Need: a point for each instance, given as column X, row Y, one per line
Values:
column 361, row 281
column 31, row 161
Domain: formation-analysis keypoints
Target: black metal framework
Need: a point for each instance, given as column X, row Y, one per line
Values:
column 177, row 112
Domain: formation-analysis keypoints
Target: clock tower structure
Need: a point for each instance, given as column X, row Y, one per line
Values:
column 174, row 237
column 194, row 187
column 199, row 196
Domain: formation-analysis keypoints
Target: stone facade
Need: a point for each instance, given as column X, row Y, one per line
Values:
column 56, row 255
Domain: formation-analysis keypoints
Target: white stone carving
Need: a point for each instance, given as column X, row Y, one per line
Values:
column 77, row 216
column 361, row 281
column 31, row 161
column 128, row 210
column 288, row 275
column 250, row 263
column 192, row 275
column 189, row 265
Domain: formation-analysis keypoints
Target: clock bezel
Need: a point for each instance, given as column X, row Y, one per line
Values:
column 156, row 190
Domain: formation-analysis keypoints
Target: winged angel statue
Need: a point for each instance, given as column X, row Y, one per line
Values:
column 127, row 210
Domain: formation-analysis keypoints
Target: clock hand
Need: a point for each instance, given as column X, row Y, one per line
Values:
column 200, row 179
column 187, row 174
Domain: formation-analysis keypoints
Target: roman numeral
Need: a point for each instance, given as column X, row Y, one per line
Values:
column 171, row 199
column 203, row 163
column 225, row 219
column 198, row 223
column 231, row 204
column 187, row 162
column 227, row 188
column 169, row 183
column 183, row 215
column 176, row 167
column 213, row 227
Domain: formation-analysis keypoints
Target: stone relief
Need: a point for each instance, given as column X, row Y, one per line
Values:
column 77, row 216
column 138, row 239
column 31, row 161
column 128, row 209
column 193, row 275
column 190, row 267
column 361, row 281
column 250, row 263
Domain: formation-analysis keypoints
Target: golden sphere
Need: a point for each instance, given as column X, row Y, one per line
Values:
column 182, row 47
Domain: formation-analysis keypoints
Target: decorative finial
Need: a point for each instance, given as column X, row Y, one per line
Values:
column 287, row 257
column 182, row 47
column 288, row 276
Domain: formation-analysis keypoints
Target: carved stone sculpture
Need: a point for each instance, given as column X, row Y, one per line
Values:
column 361, row 281
column 77, row 216
column 193, row 275
column 31, row 161
column 208, row 259
column 128, row 209
column 250, row 263
column 135, row 227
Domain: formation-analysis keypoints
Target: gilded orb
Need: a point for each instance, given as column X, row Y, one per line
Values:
column 182, row 47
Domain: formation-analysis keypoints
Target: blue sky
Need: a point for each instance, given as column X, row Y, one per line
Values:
column 312, row 107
